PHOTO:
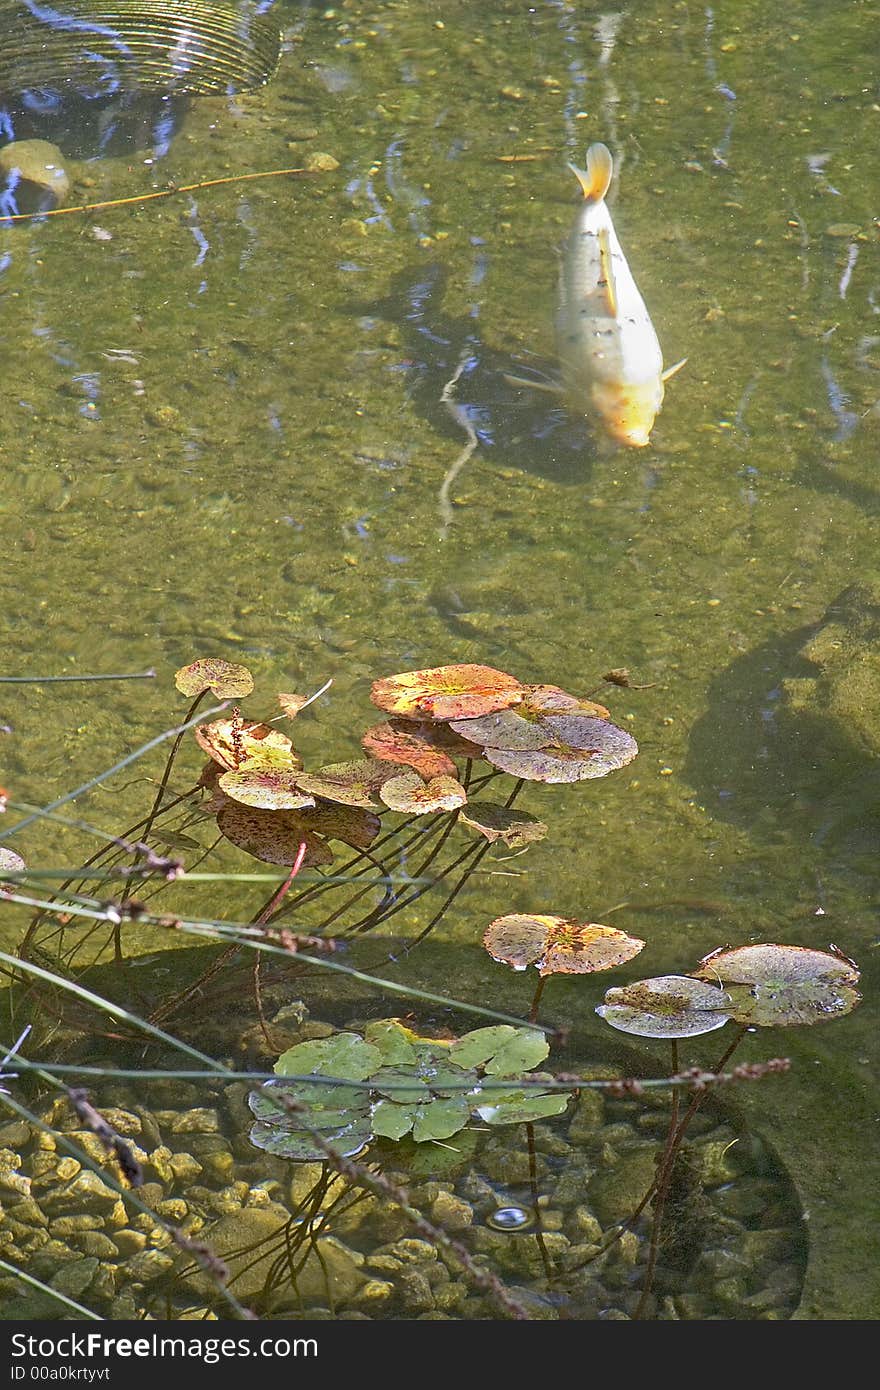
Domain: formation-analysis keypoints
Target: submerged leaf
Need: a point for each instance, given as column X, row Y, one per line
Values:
column 351, row 824
column 447, row 692
column 227, row 680
column 558, row 945
column 514, row 828
column 273, row 837
column 668, row 1006
column 292, row 704
column 408, row 792
column 273, row 789
column 782, row 986
column 231, row 742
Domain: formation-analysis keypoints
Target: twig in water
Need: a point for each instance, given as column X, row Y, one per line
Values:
column 460, row 416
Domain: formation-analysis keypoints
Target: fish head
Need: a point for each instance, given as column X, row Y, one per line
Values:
column 627, row 410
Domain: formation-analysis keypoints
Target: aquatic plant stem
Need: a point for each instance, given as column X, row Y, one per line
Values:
column 663, row 1166
column 533, row 1011
column 533, row 1187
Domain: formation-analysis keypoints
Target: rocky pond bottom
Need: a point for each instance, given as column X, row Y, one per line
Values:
column 300, row 1242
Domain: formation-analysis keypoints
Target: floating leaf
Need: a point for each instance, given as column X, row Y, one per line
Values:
column 447, row 692
column 350, row 784
column 273, row 837
column 411, row 744
column 549, row 699
column 408, row 792
column 517, row 1107
column 292, row 704
column 668, row 1006
column 272, row 789
column 504, row 729
column 558, row 945
column 401, row 1084
column 781, row 986
column 441, row 1119
column 392, row 1121
column 515, row 828
column 501, row 1050
column 227, row 680
column 602, row 748
column 10, row 862
column 344, row 1055
column 392, row 1040
column 231, row 742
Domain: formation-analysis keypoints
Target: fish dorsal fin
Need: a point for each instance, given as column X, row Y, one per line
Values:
column 596, row 178
column 606, row 272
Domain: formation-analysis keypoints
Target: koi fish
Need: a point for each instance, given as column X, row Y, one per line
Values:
column 612, row 366
column 609, row 355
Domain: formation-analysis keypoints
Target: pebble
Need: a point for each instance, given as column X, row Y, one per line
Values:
column 196, row 1121
column 148, row 1265
column 451, row 1212
column 184, row 1168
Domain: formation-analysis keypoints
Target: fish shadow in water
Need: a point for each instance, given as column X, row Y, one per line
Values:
column 514, row 426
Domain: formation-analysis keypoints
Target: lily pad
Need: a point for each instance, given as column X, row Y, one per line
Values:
column 10, row 862
column 339, row 1114
column 409, row 792
column 227, row 680
column 273, row 837
column 291, row 704
column 504, row 729
column 272, row 789
column 349, row 784
column 550, row 699
column 516, row 829
column 783, row 986
column 392, row 1039
column 447, row 692
column 501, row 1050
column 411, row 745
column 517, row 1107
column 667, row 1006
column 345, row 1055
column 231, row 742
column 558, row 945
column 351, row 824
column 602, row 749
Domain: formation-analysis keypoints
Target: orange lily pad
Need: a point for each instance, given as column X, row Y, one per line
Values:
column 447, row 692
column 516, row 829
column 232, row 742
column 227, row 680
column 273, row 837
column 429, row 748
column 272, row 788
column 350, row 784
column 783, row 986
column 558, row 945
column 550, row 699
column 409, row 792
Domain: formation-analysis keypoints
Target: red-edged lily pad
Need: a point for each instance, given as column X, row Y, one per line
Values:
column 558, row 945
column 782, row 986
column 350, row 784
column 227, row 680
column 668, row 1006
column 516, row 829
column 447, row 692
column 273, row 789
column 232, row 742
column 429, row 748
column 409, row 792
column 273, row 837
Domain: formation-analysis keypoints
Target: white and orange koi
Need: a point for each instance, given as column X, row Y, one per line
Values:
column 610, row 358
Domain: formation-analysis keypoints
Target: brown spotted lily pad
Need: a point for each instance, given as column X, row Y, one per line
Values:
column 550, row 699
column 447, row 692
column 409, row 792
column 10, row 862
column 350, row 784
column 558, row 945
column 232, row 742
column 351, row 824
column 272, row 788
column 516, row 829
column 600, row 748
column 781, row 986
column 505, row 729
column 668, row 1006
column 227, row 680
column 273, row 837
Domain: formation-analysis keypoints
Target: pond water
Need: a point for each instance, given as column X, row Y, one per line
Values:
column 236, row 422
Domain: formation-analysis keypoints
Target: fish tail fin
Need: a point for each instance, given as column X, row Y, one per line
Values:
column 595, row 179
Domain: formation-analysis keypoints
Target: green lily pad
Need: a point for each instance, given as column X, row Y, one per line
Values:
column 392, row 1040
column 783, row 986
column 344, row 1055
column 340, row 1115
column 441, row 1118
column 501, row 1050
column 400, row 1084
column 392, row 1120
column 516, row 1107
